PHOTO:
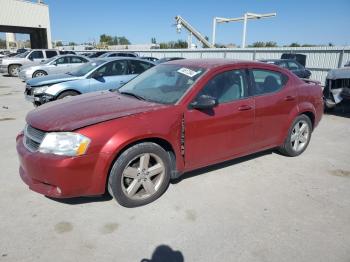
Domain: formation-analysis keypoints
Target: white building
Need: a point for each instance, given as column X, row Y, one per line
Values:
column 26, row 17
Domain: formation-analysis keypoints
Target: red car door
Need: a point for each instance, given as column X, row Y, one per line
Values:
column 225, row 130
column 274, row 99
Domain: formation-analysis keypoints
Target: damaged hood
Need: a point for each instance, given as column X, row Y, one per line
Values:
column 51, row 79
column 84, row 110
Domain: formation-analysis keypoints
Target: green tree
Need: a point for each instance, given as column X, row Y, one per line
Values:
column 115, row 40
column 180, row 44
column 59, row 43
column 258, row 44
column 123, row 40
column 294, row 45
column 271, row 44
column 163, row 46
column 72, row 43
column 107, row 39
column 153, row 40
column 308, row 45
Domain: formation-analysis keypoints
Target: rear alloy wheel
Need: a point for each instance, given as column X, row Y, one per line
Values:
column 298, row 137
column 140, row 175
column 39, row 73
column 13, row 70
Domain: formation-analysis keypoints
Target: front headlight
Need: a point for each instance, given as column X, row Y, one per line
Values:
column 40, row 90
column 65, row 144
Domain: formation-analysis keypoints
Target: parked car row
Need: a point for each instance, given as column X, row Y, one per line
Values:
column 172, row 118
column 96, row 75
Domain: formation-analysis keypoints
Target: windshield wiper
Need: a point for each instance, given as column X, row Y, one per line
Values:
column 132, row 94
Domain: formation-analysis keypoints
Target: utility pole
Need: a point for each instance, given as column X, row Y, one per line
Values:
column 245, row 19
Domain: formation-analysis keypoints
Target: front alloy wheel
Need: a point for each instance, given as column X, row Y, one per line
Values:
column 13, row 70
column 143, row 176
column 140, row 175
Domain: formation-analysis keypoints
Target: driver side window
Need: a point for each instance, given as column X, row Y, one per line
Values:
column 226, row 87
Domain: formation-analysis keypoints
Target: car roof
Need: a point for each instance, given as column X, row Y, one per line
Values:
column 278, row 60
column 209, row 63
column 108, row 59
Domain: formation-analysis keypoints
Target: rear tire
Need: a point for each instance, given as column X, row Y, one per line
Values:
column 67, row 94
column 39, row 73
column 298, row 137
column 140, row 175
column 13, row 70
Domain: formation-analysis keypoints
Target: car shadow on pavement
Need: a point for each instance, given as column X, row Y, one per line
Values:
column 197, row 172
column 221, row 165
column 164, row 253
column 82, row 200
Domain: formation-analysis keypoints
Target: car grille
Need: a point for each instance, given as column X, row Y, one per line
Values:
column 32, row 138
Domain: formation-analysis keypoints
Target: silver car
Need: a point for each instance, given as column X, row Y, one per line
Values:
column 11, row 65
column 56, row 65
column 97, row 75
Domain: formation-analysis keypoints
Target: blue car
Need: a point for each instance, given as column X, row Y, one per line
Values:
column 97, row 75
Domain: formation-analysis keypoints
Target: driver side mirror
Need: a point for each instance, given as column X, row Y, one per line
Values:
column 204, row 102
column 31, row 58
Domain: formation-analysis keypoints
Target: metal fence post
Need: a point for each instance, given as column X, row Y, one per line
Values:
column 341, row 56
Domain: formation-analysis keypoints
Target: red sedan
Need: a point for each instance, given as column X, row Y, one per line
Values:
column 173, row 118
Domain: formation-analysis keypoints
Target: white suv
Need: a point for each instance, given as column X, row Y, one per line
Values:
column 11, row 65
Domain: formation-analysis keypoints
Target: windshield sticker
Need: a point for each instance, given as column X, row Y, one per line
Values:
column 188, row 72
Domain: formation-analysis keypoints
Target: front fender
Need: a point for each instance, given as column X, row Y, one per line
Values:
column 76, row 85
column 55, row 89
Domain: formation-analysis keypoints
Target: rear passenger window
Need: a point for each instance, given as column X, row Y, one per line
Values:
column 266, row 81
column 138, row 67
column 77, row 60
column 50, row 54
column 226, row 87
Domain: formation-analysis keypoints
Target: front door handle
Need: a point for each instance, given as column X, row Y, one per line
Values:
column 244, row 108
column 289, row 98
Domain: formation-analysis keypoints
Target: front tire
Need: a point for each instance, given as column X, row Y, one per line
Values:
column 39, row 73
column 298, row 138
column 13, row 70
column 67, row 94
column 140, row 175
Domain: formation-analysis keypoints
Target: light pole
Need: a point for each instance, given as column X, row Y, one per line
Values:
column 245, row 19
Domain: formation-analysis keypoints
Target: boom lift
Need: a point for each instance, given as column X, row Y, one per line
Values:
column 180, row 22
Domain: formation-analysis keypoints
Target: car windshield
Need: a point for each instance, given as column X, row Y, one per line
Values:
column 163, row 84
column 23, row 55
column 86, row 68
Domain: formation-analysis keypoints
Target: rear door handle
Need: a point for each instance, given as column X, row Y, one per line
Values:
column 289, row 98
column 244, row 108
